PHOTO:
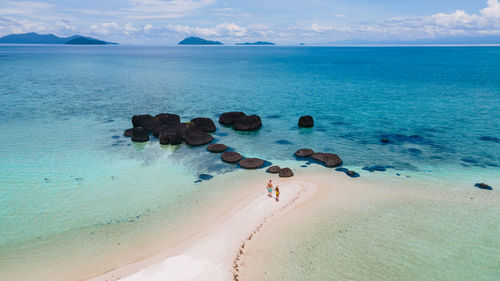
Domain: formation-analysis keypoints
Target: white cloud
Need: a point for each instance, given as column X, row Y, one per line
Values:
column 458, row 23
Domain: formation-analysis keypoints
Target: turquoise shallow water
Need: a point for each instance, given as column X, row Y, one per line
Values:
column 66, row 166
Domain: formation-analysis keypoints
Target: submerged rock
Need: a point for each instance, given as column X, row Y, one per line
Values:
column 304, row 152
column 205, row 124
column 205, row 177
column 247, row 123
column 374, row 168
column 328, row 159
column 232, row 157
column 306, row 121
column 139, row 134
column 228, row 118
column 273, row 169
column 128, row 132
column 350, row 173
column 217, row 147
column 251, row 163
column 483, row 186
column 385, row 141
column 286, row 173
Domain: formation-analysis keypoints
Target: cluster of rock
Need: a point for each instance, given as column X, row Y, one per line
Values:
column 169, row 129
column 283, row 172
column 240, row 121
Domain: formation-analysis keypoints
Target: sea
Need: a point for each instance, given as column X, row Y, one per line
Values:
column 74, row 190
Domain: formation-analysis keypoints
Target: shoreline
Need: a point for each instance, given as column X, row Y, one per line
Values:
column 213, row 252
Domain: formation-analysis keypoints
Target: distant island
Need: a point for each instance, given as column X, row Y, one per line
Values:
column 85, row 41
column 256, row 43
column 198, row 41
column 35, row 38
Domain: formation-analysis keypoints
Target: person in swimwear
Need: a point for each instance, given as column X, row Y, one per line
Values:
column 277, row 189
column 270, row 189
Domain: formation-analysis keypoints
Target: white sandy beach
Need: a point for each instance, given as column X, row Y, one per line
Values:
column 214, row 252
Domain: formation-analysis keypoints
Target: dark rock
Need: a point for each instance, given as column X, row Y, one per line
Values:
column 195, row 137
column 231, row 157
column 251, row 163
column 228, row 118
column 385, row 141
column 128, row 132
column 217, row 147
column 306, row 121
column 247, row 123
column 168, row 119
column 483, row 186
column 171, row 137
column 273, row 169
column 157, row 131
column 146, row 121
column 352, row 174
column 205, row 124
column 329, row 159
column 286, row 173
column 139, row 134
column 205, row 177
column 304, row 152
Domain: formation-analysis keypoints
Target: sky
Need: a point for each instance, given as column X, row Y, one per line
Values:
column 280, row 21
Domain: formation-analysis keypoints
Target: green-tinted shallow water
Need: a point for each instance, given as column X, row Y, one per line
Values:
column 67, row 171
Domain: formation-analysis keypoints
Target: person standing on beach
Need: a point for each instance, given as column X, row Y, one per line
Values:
column 270, row 189
column 277, row 189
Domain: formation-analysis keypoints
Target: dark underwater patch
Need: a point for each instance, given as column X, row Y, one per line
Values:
column 415, row 151
column 283, row 142
column 491, row 139
column 273, row 116
column 205, row 177
column 115, row 137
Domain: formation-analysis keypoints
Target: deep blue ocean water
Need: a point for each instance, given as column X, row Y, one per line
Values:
column 65, row 164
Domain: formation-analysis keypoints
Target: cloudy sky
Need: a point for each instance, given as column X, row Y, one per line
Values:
column 282, row 21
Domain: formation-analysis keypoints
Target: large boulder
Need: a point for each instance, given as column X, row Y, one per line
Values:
column 273, row 169
column 171, row 137
column 251, row 163
column 329, row 159
column 194, row 136
column 232, row 157
column 286, row 173
column 217, row 147
column 306, row 121
column 247, row 123
column 205, row 124
column 128, row 132
column 304, row 152
column 168, row 119
column 228, row 118
column 146, row 121
column 139, row 134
